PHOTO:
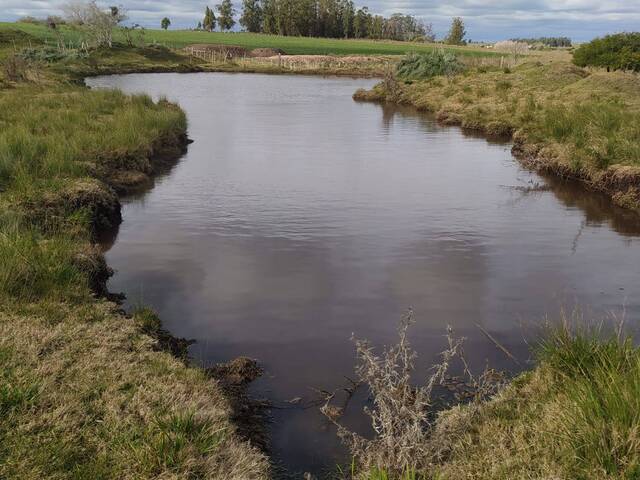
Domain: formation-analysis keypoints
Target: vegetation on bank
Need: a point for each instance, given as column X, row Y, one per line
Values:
column 86, row 392
column 574, row 416
column 573, row 122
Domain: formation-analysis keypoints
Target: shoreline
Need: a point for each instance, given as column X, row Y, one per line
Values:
column 101, row 197
column 620, row 183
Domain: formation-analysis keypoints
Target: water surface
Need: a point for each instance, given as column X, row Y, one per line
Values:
column 299, row 217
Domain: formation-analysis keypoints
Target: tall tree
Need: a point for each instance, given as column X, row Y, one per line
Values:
column 251, row 18
column 269, row 16
column 225, row 15
column 209, row 22
column 376, row 27
column 361, row 23
column 347, row 14
column 165, row 23
column 456, row 32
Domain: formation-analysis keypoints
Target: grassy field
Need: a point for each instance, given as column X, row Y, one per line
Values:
column 290, row 45
column 85, row 392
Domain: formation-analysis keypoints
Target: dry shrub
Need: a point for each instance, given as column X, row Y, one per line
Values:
column 15, row 68
column 390, row 83
column 403, row 416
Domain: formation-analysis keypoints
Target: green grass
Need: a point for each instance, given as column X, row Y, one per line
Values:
column 291, row 45
column 603, row 132
column 86, row 393
column 601, row 382
column 575, row 416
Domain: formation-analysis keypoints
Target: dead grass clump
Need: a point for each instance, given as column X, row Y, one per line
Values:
column 266, row 52
column 403, row 416
column 15, row 68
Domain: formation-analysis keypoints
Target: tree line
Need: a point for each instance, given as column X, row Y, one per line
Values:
column 546, row 41
column 620, row 51
column 316, row 18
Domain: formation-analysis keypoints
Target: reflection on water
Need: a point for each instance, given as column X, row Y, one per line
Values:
column 299, row 217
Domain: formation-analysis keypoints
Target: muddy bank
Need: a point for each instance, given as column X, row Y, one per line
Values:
column 620, row 183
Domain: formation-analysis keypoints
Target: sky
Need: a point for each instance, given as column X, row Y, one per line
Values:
column 487, row 20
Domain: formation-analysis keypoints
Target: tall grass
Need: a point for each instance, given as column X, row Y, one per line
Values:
column 71, row 132
column 50, row 141
column 34, row 266
column 606, row 132
column 599, row 379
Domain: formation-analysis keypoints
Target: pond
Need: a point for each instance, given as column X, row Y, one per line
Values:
column 299, row 218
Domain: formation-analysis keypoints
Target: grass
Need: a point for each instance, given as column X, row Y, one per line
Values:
column 578, row 123
column 575, row 416
column 86, row 393
column 291, row 45
column 86, row 396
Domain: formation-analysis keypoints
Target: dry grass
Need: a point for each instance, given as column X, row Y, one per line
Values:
column 85, row 394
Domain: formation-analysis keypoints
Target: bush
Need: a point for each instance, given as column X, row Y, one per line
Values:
column 613, row 52
column 15, row 68
column 427, row 65
column 50, row 55
column 403, row 415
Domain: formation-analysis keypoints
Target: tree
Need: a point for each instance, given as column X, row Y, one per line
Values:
column 165, row 23
column 348, row 14
column 361, row 23
column 225, row 15
column 456, row 32
column 98, row 23
column 620, row 51
column 269, row 16
column 209, row 22
column 251, row 18
column 376, row 27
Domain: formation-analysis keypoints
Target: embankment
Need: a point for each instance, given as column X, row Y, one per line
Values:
column 85, row 390
column 563, row 120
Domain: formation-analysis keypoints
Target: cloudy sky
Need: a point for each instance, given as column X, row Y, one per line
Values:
column 485, row 19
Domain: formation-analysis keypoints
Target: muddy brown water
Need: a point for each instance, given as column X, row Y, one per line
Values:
column 299, row 217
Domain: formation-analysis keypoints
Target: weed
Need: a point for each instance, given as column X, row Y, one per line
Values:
column 502, row 85
column 402, row 415
column 15, row 68
column 428, row 65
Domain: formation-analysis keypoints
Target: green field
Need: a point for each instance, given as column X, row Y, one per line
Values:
column 290, row 45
